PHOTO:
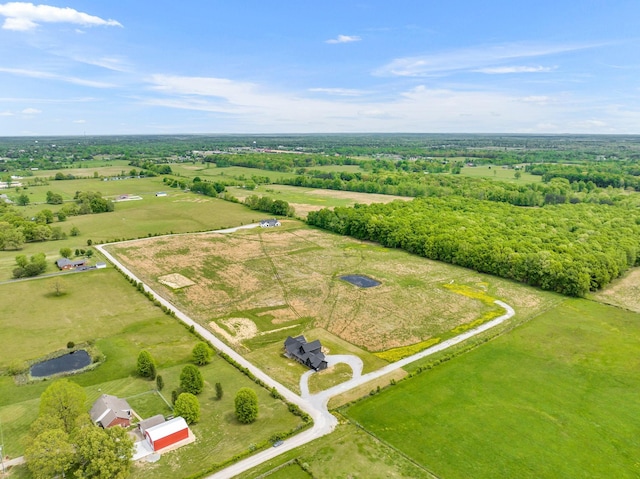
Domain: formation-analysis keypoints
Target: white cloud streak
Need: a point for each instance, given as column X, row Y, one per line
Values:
column 477, row 58
column 23, row 16
column 53, row 76
column 514, row 69
column 343, row 39
column 339, row 91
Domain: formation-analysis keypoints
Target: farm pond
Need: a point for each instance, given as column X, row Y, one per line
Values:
column 62, row 364
column 360, row 281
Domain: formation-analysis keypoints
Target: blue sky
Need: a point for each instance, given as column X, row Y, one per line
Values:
column 139, row 67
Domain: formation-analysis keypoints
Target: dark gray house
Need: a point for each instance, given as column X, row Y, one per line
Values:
column 270, row 223
column 309, row 354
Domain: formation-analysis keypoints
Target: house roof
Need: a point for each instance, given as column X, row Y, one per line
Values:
column 307, row 353
column 62, row 262
column 107, row 408
column 166, row 428
column 150, row 422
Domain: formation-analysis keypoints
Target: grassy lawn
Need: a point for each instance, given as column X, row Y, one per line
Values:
column 219, row 435
column 329, row 377
column 347, row 453
column 101, row 307
column 499, row 173
column 623, row 292
column 210, row 172
column 557, row 397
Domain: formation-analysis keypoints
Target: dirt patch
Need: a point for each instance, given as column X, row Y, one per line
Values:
column 623, row 292
column 242, row 328
column 175, row 281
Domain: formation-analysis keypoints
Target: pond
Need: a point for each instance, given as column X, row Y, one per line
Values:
column 360, row 281
column 69, row 362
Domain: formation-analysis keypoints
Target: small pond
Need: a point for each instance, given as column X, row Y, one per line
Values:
column 69, row 362
column 360, row 281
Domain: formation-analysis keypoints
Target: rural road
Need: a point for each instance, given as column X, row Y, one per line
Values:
column 315, row 405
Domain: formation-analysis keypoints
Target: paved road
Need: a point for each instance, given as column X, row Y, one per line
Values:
column 315, row 405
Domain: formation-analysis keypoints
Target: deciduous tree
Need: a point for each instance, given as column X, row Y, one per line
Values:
column 246, row 405
column 146, row 366
column 65, row 400
column 202, row 354
column 191, row 379
column 188, row 407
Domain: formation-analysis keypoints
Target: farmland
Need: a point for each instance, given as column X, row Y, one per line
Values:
column 102, row 309
column 551, row 393
column 254, row 288
column 534, row 403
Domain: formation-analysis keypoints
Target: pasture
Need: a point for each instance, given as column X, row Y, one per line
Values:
column 101, row 308
column 348, row 452
column 497, row 172
column 623, row 292
column 556, row 398
column 312, row 199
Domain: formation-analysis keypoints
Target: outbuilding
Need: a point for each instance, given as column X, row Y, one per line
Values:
column 167, row 433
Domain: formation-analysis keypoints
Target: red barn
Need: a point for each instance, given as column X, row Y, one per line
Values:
column 167, row 433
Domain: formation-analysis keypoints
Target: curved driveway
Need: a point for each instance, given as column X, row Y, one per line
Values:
column 315, row 405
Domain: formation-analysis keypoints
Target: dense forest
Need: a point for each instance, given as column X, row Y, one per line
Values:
column 570, row 249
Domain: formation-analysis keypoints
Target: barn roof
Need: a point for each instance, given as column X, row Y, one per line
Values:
column 166, row 428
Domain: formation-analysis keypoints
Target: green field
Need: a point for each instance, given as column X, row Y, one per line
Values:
column 556, row 398
column 101, row 308
column 499, row 173
column 347, row 453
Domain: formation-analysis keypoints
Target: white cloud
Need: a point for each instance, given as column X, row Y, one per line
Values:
column 344, row 39
column 471, row 59
column 80, row 121
column 53, row 76
column 339, row 91
column 251, row 107
column 6, row 113
column 514, row 69
column 31, row 111
column 23, row 16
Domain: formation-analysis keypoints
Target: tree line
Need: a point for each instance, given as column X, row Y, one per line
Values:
column 570, row 249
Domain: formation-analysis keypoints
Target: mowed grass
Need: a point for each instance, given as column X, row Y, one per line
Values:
column 499, row 173
column 219, row 435
column 555, row 398
column 101, row 307
column 348, row 452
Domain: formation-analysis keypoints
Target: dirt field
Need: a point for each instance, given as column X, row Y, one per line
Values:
column 623, row 292
column 294, row 272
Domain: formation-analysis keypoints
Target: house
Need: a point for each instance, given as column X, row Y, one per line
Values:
column 101, row 265
column 66, row 263
column 110, row 411
column 270, row 223
column 5, row 199
column 309, row 354
column 167, row 433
